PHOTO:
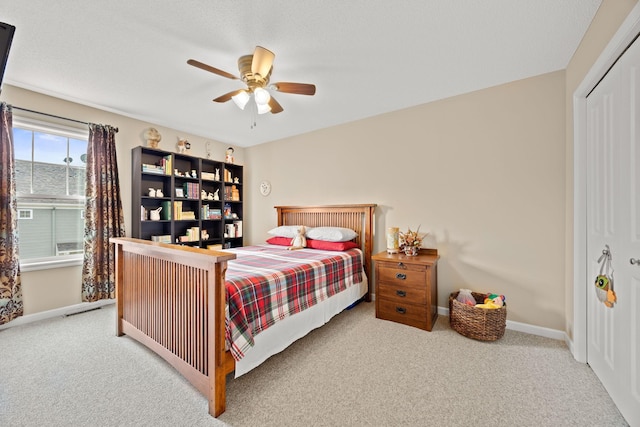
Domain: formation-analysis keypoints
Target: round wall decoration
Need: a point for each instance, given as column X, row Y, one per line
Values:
column 265, row 188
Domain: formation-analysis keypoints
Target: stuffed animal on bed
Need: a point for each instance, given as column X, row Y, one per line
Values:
column 300, row 241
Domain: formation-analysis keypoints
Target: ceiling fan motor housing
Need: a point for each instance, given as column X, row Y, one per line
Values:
column 252, row 80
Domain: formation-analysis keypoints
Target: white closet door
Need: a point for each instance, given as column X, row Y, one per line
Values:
column 613, row 221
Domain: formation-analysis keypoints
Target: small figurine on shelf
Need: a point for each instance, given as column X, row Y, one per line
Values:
column 159, row 193
column 217, row 176
column 194, row 174
column 210, row 196
column 203, row 195
column 229, row 157
column 153, row 137
column 216, row 196
column 183, row 145
column 152, row 192
column 236, row 180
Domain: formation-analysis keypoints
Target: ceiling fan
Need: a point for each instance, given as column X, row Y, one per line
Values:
column 255, row 71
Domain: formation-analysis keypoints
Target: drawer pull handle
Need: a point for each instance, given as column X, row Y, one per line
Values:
column 401, row 265
column 401, row 276
column 401, row 293
column 401, row 310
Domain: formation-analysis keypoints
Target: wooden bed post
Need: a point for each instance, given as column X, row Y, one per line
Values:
column 119, row 300
column 368, row 246
column 218, row 359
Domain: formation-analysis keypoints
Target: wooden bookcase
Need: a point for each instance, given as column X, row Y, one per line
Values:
column 187, row 210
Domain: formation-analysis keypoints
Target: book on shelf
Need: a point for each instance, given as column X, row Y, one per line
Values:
column 191, row 190
column 158, row 170
column 166, row 238
column 191, row 235
column 177, row 210
column 165, row 213
column 166, row 164
column 210, row 213
column 187, row 215
column 238, row 227
column 234, row 229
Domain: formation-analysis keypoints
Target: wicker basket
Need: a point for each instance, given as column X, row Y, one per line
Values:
column 484, row 324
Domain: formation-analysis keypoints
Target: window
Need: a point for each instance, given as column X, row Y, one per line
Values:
column 50, row 184
column 25, row 213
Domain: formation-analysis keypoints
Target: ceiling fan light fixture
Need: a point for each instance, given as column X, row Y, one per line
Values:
column 263, row 108
column 241, row 99
column 262, row 96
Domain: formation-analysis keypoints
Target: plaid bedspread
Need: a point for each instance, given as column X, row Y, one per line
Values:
column 267, row 283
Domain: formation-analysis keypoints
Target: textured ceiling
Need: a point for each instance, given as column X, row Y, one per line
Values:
column 365, row 57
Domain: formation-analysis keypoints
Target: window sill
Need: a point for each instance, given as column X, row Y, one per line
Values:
column 47, row 264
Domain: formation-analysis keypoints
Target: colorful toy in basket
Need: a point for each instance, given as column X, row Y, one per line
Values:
column 492, row 301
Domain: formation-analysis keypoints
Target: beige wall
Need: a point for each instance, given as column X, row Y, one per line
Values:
column 46, row 290
column 488, row 174
column 610, row 16
column 483, row 173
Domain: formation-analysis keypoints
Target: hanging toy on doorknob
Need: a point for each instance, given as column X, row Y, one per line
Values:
column 604, row 281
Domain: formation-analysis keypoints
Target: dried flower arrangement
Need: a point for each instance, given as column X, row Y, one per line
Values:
column 411, row 241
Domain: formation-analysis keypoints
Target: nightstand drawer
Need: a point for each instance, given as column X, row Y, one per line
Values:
column 403, row 294
column 409, row 314
column 409, row 275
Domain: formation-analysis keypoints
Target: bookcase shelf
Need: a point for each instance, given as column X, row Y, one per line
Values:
column 188, row 210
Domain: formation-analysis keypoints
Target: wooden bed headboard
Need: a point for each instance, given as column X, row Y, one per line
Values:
column 359, row 218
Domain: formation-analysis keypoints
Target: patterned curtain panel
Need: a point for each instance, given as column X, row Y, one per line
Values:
column 103, row 215
column 10, row 288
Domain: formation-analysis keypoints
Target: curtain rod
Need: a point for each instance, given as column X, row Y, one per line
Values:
column 49, row 115
column 54, row 116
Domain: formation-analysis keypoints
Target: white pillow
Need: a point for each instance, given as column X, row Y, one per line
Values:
column 290, row 231
column 331, row 234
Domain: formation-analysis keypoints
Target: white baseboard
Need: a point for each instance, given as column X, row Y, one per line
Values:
column 85, row 306
column 57, row 312
column 523, row 327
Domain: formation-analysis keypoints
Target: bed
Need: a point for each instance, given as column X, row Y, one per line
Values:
column 173, row 299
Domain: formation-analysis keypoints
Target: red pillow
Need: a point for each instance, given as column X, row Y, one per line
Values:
column 331, row 246
column 279, row 240
column 315, row 244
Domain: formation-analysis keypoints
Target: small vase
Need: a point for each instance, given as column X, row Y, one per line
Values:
column 411, row 250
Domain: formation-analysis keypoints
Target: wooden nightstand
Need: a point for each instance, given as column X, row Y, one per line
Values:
column 407, row 288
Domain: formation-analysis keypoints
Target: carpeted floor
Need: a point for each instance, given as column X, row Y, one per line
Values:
column 355, row 371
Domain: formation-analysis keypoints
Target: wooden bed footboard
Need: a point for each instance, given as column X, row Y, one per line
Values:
column 165, row 295
column 172, row 298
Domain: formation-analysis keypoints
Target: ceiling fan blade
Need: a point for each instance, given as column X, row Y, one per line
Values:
column 227, row 96
column 211, row 69
column 262, row 61
column 297, row 88
column 275, row 106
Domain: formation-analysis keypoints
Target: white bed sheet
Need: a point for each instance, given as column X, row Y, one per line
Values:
column 284, row 333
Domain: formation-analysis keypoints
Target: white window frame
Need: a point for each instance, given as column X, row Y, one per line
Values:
column 36, row 125
column 22, row 211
